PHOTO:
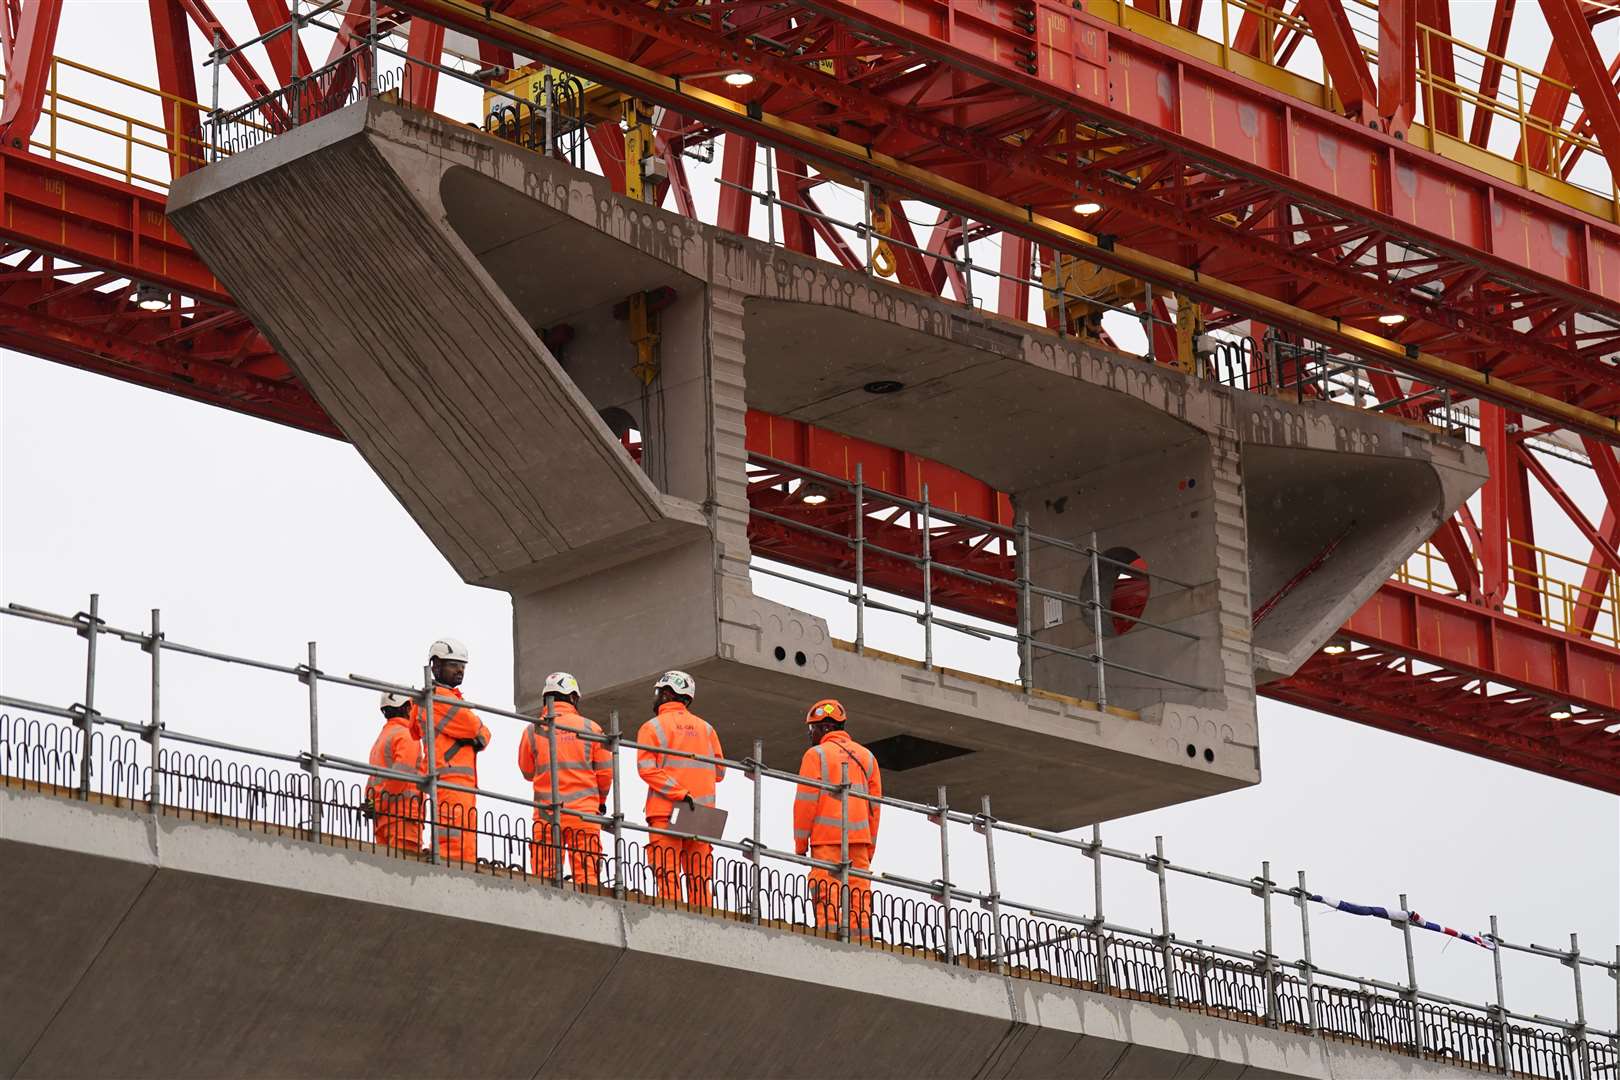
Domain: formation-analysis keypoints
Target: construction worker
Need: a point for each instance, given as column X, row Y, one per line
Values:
column 823, row 822
column 459, row 736
column 395, row 806
column 671, row 780
column 582, row 773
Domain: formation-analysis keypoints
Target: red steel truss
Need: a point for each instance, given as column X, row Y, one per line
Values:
column 1007, row 113
column 1287, row 213
column 72, row 242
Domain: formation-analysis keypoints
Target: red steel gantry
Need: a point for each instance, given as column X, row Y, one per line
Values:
column 1350, row 211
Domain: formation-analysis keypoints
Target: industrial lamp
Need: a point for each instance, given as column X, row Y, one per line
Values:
column 150, row 297
column 739, row 78
column 1337, row 646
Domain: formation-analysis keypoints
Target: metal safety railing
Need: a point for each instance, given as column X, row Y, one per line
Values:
column 149, row 764
column 1508, row 95
column 1310, row 371
column 1544, row 588
column 873, row 232
column 553, row 124
column 892, row 543
column 79, row 128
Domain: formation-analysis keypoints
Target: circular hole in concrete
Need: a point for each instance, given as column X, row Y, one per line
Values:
column 1125, row 588
column 798, row 658
column 781, row 653
column 1209, row 755
column 884, row 386
column 1192, row 751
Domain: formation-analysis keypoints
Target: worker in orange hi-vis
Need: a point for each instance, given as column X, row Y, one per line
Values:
column 672, row 779
column 459, row 736
column 821, row 825
column 583, row 775
column 394, row 805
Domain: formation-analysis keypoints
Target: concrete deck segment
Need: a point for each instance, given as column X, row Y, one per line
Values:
column 503, row 450
column 163, row 947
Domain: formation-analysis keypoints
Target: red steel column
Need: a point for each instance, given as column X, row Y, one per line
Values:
column 424, row 46
column 737, row 179
column 1494, row 504
column 1341, row 56
column 1017, row 256
column 1572, row 39
column 177, row 75
column 1397, row 63
column 28, row 67
column 1526, row 578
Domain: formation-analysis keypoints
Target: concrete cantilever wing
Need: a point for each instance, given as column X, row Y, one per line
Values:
column 421, row 360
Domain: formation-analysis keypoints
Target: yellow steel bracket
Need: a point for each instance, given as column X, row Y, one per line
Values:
column 644, row 336
column 1189, row 324
column 638, row 147
column 883, row 262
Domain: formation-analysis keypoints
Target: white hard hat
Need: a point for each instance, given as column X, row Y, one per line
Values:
column 678, row 681
column 448, row 649
column 391, row 700
column 560, row 682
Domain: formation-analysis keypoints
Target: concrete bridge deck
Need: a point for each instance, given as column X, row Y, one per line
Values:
column 135, row 945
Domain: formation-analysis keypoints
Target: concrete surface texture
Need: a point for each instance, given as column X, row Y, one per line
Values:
column 142, row 947
column 503, row 448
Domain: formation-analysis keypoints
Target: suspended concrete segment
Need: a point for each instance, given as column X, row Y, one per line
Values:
column 135, row 946
column 414, row 271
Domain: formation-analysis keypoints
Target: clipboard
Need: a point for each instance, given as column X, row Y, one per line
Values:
column 705, row 821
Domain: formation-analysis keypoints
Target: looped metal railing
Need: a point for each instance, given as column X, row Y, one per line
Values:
column 42, row 756
column 94, row 749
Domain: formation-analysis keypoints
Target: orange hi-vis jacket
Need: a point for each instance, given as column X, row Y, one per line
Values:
column 398, row 747
column 817, row 816
column 584, row 768
column 458, row 736
column 670, row 779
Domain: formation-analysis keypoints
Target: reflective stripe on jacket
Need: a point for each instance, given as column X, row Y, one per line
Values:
column 584, row 769
column 458, row 737
column 669, row 778
column 817, row 813
column 398, row 747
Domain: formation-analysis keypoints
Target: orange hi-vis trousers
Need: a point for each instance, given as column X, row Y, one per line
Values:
column 399, row 822
column 824, row 889
column 458, row 825
column 581, row 839
column 675, row 859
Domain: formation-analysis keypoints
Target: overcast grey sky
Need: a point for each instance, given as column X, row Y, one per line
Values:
column 256, row 539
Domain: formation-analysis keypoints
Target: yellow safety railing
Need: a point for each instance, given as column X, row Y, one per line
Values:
column 78, row 127
column 1550, row 590
column 1511, row 101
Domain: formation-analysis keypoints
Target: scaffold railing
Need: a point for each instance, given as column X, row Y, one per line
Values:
column 889, row 543
column 109, row 755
